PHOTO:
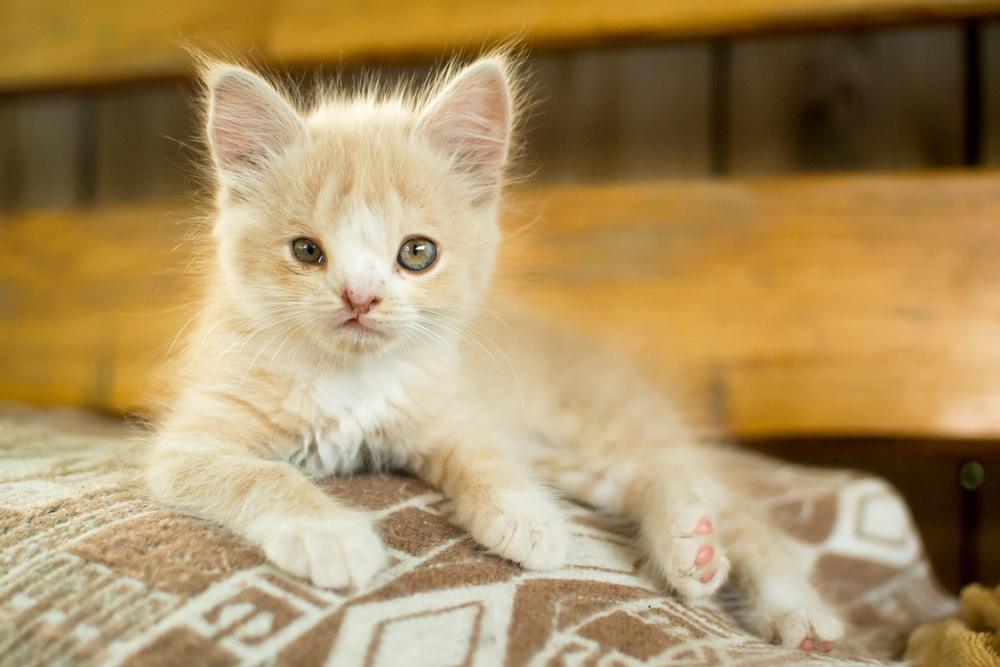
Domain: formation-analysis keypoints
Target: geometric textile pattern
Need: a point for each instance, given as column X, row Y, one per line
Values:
column 92, row 573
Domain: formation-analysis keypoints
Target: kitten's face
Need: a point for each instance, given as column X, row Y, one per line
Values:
column 365, row 225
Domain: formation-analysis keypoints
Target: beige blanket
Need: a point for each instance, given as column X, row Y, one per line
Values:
column 92, row 573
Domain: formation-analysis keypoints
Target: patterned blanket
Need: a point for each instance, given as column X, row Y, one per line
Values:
column 92, row 573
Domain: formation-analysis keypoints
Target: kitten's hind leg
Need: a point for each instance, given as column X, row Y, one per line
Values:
column 677, row 529
column 677, row 523
column 687, row 516
column 782, row 603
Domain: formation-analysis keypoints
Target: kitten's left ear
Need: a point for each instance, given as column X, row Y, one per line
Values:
column 249, row 122
column 470, row 120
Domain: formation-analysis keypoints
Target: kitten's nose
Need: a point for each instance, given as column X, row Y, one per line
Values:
column 360, row 300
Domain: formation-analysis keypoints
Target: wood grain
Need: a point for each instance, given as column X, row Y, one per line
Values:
column 90, row 302
column 44, row 150
column 620, row 114
column 48, row 43
column 990, row 53
column 884, row 99
column 811, row 305
column 145, row 142
column 8, row 168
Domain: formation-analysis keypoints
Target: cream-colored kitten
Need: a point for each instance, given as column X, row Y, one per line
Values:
column 347, row 327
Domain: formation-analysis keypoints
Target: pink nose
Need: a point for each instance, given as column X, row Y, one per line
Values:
column 360, row 301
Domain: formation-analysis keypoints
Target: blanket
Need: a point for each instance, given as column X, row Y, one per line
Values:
column 94, row 573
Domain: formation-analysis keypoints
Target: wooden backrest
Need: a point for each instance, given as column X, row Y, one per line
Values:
column 51, row 43
column 810, row 305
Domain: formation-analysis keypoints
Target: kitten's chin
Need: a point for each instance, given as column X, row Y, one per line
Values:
column 352, row 338
column 351, row 346
column 361, row 337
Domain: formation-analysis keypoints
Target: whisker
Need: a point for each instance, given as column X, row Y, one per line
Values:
column 462, row 329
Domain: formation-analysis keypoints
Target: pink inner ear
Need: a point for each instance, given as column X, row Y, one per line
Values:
column 471, row 120
column 249, row 121
column 484, row 135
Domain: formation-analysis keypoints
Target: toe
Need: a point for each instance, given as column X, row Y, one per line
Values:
column 705, row 554
column 828, row 627
column 793, row 629
column 704, row 527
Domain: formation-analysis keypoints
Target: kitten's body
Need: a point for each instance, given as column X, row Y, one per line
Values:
column 288, row 373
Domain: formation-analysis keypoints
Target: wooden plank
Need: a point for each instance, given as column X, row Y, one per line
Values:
column 865, row 100
column 56, row 42
column 826, row 305
column 43, row 155
column 90, row 302
column 8, row 168
column 664, row 111
column 822, row 305
column 146, row 142
column 620, row 114
column 990, row 146
column 580, row 120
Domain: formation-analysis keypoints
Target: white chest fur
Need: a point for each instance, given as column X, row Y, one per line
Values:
column 348, row 418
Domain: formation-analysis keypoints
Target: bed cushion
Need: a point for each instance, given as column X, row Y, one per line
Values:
column 93, row 573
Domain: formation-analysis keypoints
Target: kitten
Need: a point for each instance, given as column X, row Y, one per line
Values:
column 350, row 324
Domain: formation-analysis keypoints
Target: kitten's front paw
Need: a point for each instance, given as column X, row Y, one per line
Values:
column 331, row 552
column 523, row 526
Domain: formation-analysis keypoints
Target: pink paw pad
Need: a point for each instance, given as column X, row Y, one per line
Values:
column 704, row 527
column 705, row 554
column 807, row 644
column 827, row 646
column 707, row 577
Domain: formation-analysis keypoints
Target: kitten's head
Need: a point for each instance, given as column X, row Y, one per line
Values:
column 367, row 221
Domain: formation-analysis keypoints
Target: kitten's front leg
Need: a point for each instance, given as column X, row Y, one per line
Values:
column 498, row 503
column 270, row 503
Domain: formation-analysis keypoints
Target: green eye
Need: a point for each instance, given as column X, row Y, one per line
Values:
column 307, row 251
column 417, row 254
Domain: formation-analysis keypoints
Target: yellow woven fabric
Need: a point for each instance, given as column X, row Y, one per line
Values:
column 970, row 641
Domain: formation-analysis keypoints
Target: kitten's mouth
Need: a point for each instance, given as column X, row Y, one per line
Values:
column 356, row 326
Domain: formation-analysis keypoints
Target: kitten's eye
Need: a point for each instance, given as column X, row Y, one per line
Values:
column 417, row 254
column 307, row 251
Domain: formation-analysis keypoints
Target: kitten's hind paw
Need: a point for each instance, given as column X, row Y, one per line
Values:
column 524, row 527
column 342, row 553
column 811, row 627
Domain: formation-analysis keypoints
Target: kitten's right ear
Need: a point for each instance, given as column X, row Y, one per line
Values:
column 248, row 121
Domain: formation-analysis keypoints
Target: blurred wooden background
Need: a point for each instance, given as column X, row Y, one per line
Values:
column 93, row 135
column 900, row 98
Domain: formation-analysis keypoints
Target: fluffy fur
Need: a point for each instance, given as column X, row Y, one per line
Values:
column 297, row 370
